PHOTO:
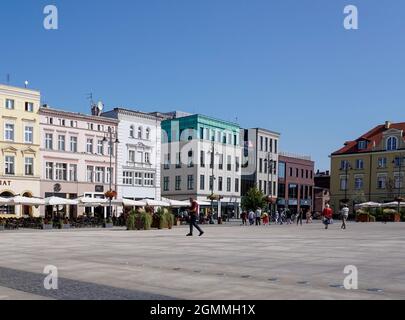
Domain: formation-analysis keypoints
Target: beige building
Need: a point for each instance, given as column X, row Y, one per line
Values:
column 370, row 168
column 19, row 146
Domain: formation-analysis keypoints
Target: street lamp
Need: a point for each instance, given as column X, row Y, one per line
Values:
column 112, row 138
column 398, row 161
column 347, row 168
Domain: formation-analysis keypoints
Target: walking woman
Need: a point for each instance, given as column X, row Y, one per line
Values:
column 193, row 218
column 299, row 216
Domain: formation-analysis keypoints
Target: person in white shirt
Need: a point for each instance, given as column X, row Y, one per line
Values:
column 251, row 217
column 258, row 215
column 345, row 216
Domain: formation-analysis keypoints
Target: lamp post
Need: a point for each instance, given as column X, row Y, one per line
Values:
column 270, row 171
column 112, row 138
column 347, row 168
column 398, row 161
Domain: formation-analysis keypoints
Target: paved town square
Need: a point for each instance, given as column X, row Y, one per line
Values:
column 228, row 262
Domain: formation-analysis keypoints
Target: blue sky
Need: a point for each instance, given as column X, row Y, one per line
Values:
column 285, row 65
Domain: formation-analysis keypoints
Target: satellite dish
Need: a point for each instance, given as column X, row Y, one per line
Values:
column 100, row 106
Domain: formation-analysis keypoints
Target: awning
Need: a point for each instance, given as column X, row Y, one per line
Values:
column 393, row 205
column 4, row 201
column 127, row 203
column 156, row 203
column 203, row 203
column 177, row 203
column 92, row 202
column 26, row 201
column 56, row 201
column 368, row 205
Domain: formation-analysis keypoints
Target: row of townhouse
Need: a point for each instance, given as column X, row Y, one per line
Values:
column 52, row 152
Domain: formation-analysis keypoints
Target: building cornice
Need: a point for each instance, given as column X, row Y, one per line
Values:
column 77, row 116
column 138, row 114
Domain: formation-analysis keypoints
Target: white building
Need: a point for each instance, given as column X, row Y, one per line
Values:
column 139, row 154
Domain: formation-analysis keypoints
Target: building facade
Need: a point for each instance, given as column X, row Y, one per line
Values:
column 321, row 191
column 19, row 144
column 139, row 154
column 202, row 159
column 296, row 182
column 370, row 168
column 75, row 153
column 260, row 161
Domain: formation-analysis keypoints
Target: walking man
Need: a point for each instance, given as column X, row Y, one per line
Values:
column 258, row 215
column 193, row 218
column 327, row 216
column 345, row 216
column 299, row 216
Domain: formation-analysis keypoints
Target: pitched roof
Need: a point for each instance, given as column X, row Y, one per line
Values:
column 374, row 137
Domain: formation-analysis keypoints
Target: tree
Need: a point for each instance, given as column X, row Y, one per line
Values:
column 253, row 200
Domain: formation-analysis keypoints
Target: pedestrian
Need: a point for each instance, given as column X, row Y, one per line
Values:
column 309, row 216
column 288, row 213
column 276, row 217
column 265, row 219
column 258, row 215
column 251, row 217
column 244, row 218
column 194, row 211
column 327, row 215
column 299, row 216
column 345, row 216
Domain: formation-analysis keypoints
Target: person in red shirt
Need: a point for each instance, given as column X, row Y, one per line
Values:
column 193, row 213
column 327, row 215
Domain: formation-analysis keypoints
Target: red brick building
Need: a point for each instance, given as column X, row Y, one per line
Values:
column 296, row 182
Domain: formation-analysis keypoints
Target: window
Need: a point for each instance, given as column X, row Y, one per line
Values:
column 362, row 145
column 178, row 183
column 381, row 182
column 50, row 120
column 219, row 136
column 343, row 183
column 100, row 147
column 100, row 174
column 89, row 145
column 9, row 165
column 190, row 159
column 220, row 184
column 237, row 164
column 360, row 164
column 61, row 171
column 392, row 143
column 228, row 184
column 221, row 162
column 147, row 134
column 261, row 165
column 398, row 181
column 73, row 124
column 73, row 144
column 306, row 174
column 90, row 170
column 149, row 179
column 265, row 187
column 275, row 146
column 9, row 104
column 140, row 133
column 399, row 161
column 61, row 143
column 281, row 170
column 29, row 166
column 292, row 191
column 202, row 159
column 266, row 145
column 138, row 179
column 190, row 182
column 28, row 134
column 110, row 151
column 167, row 162
column 29, row 107
column 229, row 163
column 178, row 160
column 62, row 122
column 131, row 156
column 109, row 175
column 382, row 163
column 73, row 172
column 166, row 184
column 291, row 172
column 271, row 145
column 358, row 183
column 49, row 141
column 201, row 133
column 132, row 132
column 235, row 140
column 297, row 172
column 344, row 164
column 211, row 183
column 281, row 190
column 9, row 132
column 261, row 143
column 128, row 178
column 49, row 171
column 202, row 182
column 302, row 173
column 237, row 185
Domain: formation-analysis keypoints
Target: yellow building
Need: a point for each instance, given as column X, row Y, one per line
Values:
column 19, row 146
column 370, row 168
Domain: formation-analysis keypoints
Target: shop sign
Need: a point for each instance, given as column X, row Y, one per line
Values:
column 5, row 183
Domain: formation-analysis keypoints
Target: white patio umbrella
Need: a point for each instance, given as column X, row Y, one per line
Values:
column 393, row 204
column 203, row 203
column 128, row 203
column 92, row 202
column 156, row 203
column 27, row 201
column 4, row 201
column 56, row 201
column 368, row 205
column 177, row 203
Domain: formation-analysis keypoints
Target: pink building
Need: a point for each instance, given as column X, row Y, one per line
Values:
column 75, row 157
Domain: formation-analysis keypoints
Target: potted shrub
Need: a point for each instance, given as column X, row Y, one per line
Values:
column 46, row 224
column 146, row 220
column 391, row 215
column 131, row 221
column 170, row 219
column 108, row 223
column 362, row 216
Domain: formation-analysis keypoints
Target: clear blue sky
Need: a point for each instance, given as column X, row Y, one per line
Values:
column 285, row 65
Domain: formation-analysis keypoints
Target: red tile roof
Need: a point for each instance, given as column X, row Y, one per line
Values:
column 374, row 137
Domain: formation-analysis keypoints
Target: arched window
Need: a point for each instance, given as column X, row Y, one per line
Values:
column 392, row 143
column 5, row 209
column 148, row 134
column 140, row 133
column 132, row 132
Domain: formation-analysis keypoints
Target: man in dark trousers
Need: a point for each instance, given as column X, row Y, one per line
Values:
column 193, row 217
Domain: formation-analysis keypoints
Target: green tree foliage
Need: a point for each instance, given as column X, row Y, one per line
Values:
column 254, row 199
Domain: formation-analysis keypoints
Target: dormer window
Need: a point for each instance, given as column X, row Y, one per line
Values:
column 362, row 145
column 392, row 144
column 131, row 131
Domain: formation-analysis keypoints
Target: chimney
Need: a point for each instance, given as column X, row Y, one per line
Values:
column 387, row 124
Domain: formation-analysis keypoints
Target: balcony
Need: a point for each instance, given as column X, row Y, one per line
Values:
column 131, row 164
